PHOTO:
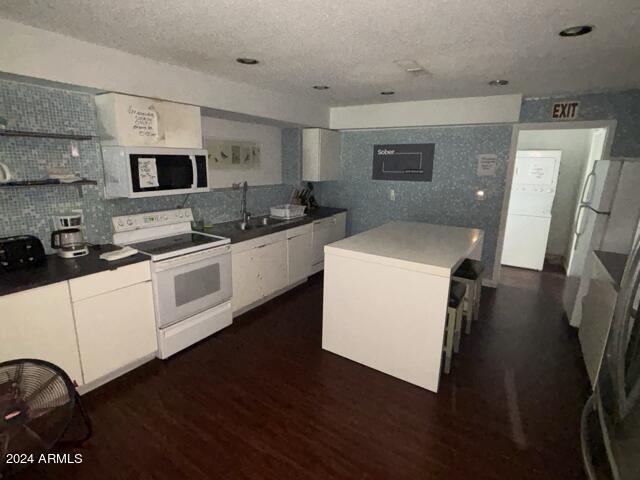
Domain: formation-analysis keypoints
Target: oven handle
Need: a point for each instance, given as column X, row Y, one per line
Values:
column 164, row 265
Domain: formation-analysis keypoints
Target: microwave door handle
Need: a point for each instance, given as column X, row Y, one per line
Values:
column 194, row 169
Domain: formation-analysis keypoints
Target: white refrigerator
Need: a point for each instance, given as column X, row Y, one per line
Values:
column 606, row 219
column 529, row 215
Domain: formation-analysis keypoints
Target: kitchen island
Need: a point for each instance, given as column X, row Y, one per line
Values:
column 386, row 292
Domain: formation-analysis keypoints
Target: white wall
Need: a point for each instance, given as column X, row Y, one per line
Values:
column 41, row 54
column 268, row 137
column 575, row 146
column 451, row 111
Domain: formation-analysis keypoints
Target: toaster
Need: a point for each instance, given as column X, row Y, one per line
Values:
column 22, row 251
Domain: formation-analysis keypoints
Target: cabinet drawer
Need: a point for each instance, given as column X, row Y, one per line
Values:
column 98, row 283
column 301, row 230
column 258, row 242
column 324, row 223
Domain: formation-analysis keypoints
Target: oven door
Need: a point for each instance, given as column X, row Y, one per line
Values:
column 186, row 285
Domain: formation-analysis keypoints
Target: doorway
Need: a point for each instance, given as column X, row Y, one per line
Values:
column 548, row 168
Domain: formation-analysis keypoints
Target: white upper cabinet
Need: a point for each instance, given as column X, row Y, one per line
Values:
column 144, row 122
column 321, row 155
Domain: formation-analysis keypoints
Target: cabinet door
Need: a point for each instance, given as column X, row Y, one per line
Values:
column 322, row 233
column 321, row 155
column 300, row 256
column 311, row 154
column 38, row 323
column 330, row 163
column 115, row 329
column 272, row 260
column 339, row 227
column 247, row 283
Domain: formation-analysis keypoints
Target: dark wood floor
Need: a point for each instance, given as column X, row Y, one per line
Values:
column 261, row 400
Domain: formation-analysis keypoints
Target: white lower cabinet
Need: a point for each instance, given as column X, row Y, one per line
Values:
column 326, row 231
column 38, row 323
column 115, row 329
column 299, row 253
column 265, row 265
column 272, row 261
column 246, row 279
column 259, row 269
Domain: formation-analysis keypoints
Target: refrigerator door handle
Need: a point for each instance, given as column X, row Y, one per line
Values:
column 587, row 184
column 577, row 231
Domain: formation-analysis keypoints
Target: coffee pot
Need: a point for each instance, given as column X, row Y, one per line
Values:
column 69, row 243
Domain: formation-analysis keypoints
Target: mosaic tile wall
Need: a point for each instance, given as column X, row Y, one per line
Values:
column 449, row 199
column 621, row 106
column 28, row 210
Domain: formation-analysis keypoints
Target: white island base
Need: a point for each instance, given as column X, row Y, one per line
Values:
column 386, row 293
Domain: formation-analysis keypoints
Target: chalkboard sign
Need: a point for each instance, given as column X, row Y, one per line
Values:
column 405, row 162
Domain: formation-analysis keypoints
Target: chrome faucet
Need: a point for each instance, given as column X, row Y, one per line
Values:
column 243, row 205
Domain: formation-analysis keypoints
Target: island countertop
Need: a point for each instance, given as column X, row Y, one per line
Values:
column 424, row 247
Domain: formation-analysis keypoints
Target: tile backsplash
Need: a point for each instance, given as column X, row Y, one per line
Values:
column 28, row 210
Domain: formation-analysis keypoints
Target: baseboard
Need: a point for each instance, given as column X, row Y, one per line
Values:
column 267, row 298
column 87, row 387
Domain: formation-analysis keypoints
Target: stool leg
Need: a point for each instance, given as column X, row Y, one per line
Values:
column 477, row 289
column 448, row 349
column 471, row 309
column 458, row 327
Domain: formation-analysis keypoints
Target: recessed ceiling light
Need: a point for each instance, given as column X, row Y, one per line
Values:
column 387, row 92
column 321, row 87
column 576, row 31
column 247, row 61
column 498, row 83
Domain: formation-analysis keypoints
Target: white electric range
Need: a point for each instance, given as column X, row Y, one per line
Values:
column 190, row 271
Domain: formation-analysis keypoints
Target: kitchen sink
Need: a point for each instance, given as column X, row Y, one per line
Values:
column 258, row 222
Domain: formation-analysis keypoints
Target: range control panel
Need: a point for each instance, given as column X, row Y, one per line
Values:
column 152, row 219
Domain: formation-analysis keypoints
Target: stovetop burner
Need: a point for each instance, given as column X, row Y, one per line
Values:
column 175, row 243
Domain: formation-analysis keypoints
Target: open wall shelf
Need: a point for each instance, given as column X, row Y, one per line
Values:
column 47, row 183
column 64, row 136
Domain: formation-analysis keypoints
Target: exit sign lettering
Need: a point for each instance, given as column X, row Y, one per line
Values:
column 565, row 110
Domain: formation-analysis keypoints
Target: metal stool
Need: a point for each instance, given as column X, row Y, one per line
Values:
column 453, row 328
column 470, row 273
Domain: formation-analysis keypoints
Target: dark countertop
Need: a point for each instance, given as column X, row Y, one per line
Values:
column 56, row 269
column 614, row 263
column 232, row 231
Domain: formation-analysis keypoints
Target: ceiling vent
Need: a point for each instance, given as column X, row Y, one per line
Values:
column 412, row 67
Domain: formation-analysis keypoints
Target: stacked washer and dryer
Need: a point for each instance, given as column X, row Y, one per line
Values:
column 529, row 217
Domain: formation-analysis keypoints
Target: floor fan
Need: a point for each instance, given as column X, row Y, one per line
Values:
column 38, row 402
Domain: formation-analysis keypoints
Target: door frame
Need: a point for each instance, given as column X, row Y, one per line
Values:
column 609, row 125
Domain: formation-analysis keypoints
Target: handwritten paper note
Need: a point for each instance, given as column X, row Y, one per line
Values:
column 144, row 122
column 147, row 172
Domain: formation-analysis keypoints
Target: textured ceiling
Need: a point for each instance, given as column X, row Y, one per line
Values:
column 351, row 44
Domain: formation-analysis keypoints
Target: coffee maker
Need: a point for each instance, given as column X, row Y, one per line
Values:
column 67, row 237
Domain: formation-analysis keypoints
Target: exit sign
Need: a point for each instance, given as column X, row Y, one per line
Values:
column 565, row 110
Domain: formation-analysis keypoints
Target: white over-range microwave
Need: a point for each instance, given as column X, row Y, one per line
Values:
column 134, row 172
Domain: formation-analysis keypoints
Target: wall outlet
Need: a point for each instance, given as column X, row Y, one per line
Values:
column 392, row 195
